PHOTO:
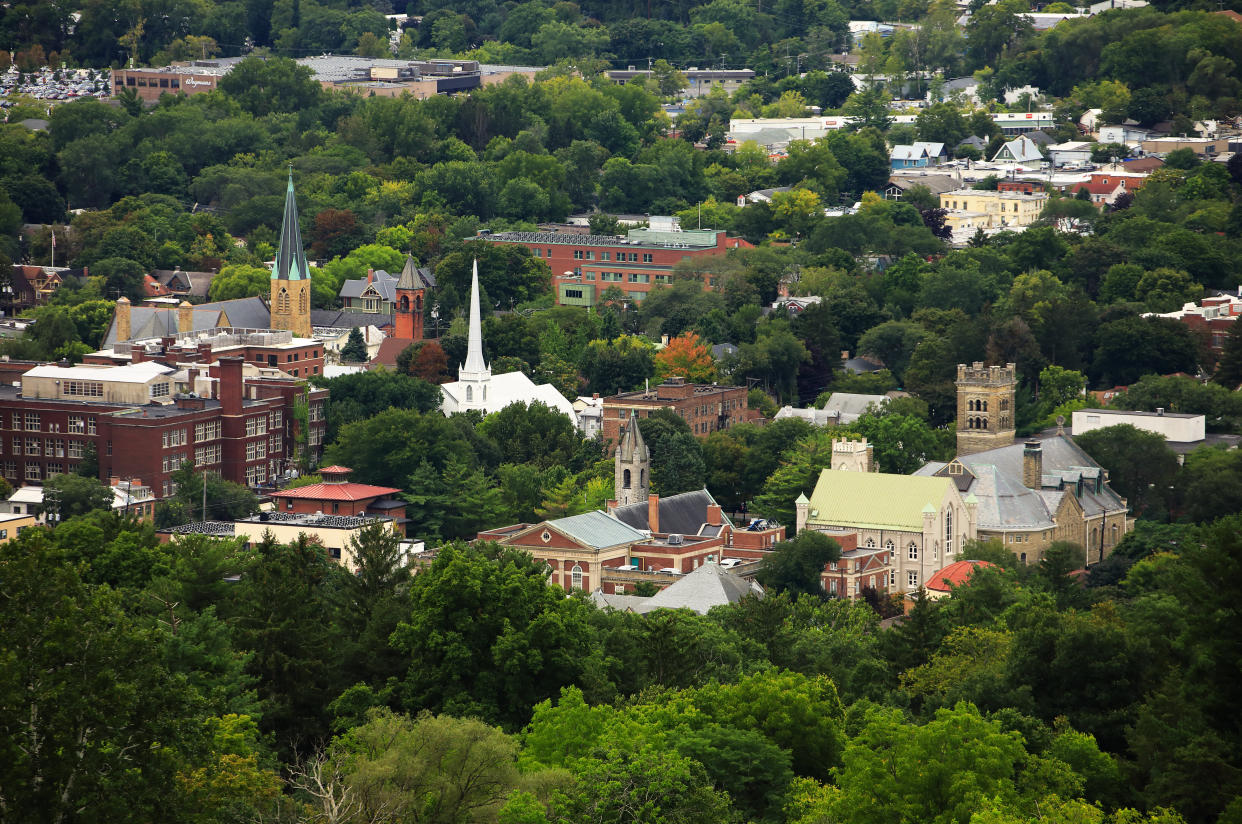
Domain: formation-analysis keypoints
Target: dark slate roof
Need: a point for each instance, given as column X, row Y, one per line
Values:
column 157, row 322
column 415, row 277
column 198, row 282
column 384, row 283
column 342, row 319
column 290, row 257
column 861, row 366
column 243, row 313
column 683, row 514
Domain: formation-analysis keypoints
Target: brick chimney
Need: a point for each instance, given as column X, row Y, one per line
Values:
column 653, row 513
column 137, row 354
column 204, row 353
column 185, row 317
column 122, row 318
column 714, row 515
column 231, row 389
column 1032, row 465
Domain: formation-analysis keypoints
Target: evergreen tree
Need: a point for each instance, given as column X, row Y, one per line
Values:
column 1229, row 367
column 355, row 349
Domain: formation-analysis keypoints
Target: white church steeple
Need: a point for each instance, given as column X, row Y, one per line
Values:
column 474, row 375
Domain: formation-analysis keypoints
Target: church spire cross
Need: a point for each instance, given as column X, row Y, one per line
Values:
column 290, row 258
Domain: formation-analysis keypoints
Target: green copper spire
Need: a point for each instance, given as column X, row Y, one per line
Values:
column 291, row 258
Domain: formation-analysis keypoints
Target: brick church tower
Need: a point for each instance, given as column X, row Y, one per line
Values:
column 291, row 282
column 408, row 320
column 985, row 407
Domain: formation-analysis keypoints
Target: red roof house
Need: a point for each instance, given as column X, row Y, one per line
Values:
column 337, row 495
column 942, row 583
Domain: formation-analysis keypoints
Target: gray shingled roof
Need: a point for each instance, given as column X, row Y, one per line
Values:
column 1006, row 503
column 708, row 586
column 157, row 322
column 597, row 529
column 244, row 313
column 683, row 514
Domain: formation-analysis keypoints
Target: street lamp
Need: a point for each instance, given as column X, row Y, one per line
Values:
column 435, row 319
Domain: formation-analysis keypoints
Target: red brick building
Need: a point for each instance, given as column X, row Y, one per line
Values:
column 1025, row 187
column 581, row 549
column 706, row 408
column 145, row 423
column 584, row 266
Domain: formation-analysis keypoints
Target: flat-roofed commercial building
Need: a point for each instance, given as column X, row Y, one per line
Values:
column 584, row 266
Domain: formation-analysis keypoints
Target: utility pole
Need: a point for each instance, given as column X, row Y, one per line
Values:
column 51, row 505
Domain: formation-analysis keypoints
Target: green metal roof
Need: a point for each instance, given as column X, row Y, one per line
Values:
column 871, row 500
column 291, row 257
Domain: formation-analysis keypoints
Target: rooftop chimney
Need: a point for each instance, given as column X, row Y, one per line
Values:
column 231, row 390
column 1032, row 465
column 122, row 318
column 653, row 513
column 185, row 317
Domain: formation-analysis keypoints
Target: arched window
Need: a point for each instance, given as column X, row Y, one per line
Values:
column 889, row 545
column 912, row 552
column 1004, row 406
column 870, row 544
column 948, row 532
column 970, row 406
column 404, row 304
column 625, row 479
column 642, row 480
column 575, row 577
column 484, row 394
column 282, row 301
column 418, row 304
column 469, row 394
column 303, row 302
column 985, row 406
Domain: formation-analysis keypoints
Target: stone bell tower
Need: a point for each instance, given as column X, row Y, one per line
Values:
column 632, row 466
column 985, row 407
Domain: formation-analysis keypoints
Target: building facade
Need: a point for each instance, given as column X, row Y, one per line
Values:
column 585, row 266
column 902, row 526
column 142, row 422
column 993, row 210
column 706, row 408
column 1030, row 495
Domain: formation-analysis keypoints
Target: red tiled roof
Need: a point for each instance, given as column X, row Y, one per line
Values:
column 954, row 574
column 336, row 492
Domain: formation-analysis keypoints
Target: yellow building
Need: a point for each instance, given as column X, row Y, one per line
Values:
column 335, row 533
column 13, row 525
column 981, row 209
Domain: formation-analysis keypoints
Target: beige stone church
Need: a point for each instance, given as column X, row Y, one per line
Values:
column 1029, row 493
column 1024, row 494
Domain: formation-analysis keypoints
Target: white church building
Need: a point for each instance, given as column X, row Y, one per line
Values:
column 477, row 388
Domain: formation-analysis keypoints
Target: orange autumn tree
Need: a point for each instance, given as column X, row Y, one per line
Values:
column 687, row 356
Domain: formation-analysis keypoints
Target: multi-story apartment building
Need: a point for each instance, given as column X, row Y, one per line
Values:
column 707, row 408
column 144, row 421
column 585, row 266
